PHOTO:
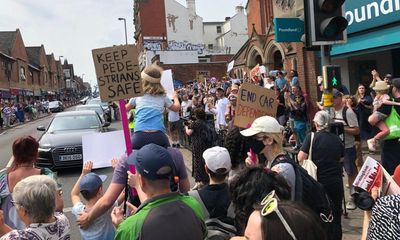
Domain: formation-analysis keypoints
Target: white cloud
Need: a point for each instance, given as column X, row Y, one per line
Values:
column 69, row 28
column 72, row 28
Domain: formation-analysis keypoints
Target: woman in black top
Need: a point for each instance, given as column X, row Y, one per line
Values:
column 327, row 151
column 198, row 130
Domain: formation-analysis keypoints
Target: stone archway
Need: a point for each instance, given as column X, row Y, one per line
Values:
column 274, row 55
column 255, row 57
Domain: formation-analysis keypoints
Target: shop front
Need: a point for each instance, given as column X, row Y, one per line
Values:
column 373, row 42
column 5, row 94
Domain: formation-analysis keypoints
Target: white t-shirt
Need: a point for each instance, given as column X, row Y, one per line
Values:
column 220, row 111
column 184, row 107
column 101, row 227
column 173, row 116
column 352, row 122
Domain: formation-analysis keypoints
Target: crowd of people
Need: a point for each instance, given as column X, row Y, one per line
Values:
column 247, row 187
column 12, row 112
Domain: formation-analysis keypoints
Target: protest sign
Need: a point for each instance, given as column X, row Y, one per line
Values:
column 230, row 66
column 96, row 148
column 168, row 83
column 372, row 174
column 254, row 74
column 253, row 102
column 118, row 73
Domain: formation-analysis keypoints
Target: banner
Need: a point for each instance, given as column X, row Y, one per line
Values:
column 118, row 73
column 253, row 102
column 372, row 174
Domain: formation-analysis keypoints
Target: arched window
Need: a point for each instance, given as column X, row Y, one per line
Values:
column 22, row 75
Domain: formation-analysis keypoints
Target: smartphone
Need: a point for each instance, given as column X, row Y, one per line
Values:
column 253, row 156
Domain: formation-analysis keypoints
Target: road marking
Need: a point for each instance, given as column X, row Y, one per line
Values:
column 3, row 133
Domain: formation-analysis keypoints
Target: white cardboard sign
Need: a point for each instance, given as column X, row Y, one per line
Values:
column 101, row 148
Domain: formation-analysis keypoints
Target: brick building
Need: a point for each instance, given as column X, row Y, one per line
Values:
column 37, row 64
column 261, row 47
column 174, row 34
column 27, row 72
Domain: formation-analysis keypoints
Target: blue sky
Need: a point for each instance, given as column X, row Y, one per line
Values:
column 72, row 28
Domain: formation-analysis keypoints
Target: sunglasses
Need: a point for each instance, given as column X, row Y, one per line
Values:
column 270, row 205
column 15, row 204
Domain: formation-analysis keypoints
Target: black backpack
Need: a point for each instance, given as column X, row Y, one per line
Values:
column 309, row 191
column 217, row 228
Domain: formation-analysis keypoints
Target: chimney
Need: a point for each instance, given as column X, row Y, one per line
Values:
column 239, row 9
column 191, row 5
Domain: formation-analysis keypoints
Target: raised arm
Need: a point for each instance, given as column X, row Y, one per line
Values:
column 87, row 168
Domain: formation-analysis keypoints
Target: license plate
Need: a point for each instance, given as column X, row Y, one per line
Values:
column 70, row 157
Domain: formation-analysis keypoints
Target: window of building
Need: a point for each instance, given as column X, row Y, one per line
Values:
column 31, row 75
column 294, row 64
column 210, row 46
column 22, row 75
column 219, row 29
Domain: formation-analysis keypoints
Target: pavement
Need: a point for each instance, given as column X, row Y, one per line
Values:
column 351, row 224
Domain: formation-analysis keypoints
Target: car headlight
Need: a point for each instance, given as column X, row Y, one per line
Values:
column 44, row 148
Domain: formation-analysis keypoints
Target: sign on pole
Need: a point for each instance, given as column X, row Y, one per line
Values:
column 288, row 29
column 253, row 102
column 118, row 73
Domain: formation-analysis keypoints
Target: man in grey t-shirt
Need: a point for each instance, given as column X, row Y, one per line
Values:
column 351, row 129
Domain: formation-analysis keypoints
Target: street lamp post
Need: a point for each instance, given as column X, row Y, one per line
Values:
column 126, row 37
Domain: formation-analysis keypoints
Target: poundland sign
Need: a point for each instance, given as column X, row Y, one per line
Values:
column 367, row 14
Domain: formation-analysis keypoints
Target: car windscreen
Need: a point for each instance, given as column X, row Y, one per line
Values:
column 98, row 109
column 94, row 101
column 64, row 123
column 53, row 104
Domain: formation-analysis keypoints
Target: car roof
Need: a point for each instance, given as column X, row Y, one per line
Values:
column 76, row 113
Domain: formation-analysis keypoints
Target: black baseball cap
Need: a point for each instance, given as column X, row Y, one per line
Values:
column 336, row 93
column 396, row 82
column 152, row 162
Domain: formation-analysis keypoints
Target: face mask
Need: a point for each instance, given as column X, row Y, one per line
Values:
column 257, row 146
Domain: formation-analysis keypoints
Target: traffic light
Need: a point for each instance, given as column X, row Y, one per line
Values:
column 325, row 22
column 332, row 77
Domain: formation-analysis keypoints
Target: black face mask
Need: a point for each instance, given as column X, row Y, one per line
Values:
column 256, row 145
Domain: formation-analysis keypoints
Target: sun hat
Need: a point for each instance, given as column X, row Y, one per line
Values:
column 381, row 86
column 265, row 124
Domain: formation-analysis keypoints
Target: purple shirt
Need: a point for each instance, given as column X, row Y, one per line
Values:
column 120, row 174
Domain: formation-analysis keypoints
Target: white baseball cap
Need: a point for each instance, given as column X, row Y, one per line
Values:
column 265, row 124
column 217, row 158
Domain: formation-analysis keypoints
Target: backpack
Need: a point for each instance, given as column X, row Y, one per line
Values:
column 210, row 135
column 217, row 229
column 309, row 191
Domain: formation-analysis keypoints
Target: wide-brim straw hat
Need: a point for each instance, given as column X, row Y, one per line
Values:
column 381, row 86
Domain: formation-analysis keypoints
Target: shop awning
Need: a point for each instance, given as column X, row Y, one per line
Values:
column 368, row 41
